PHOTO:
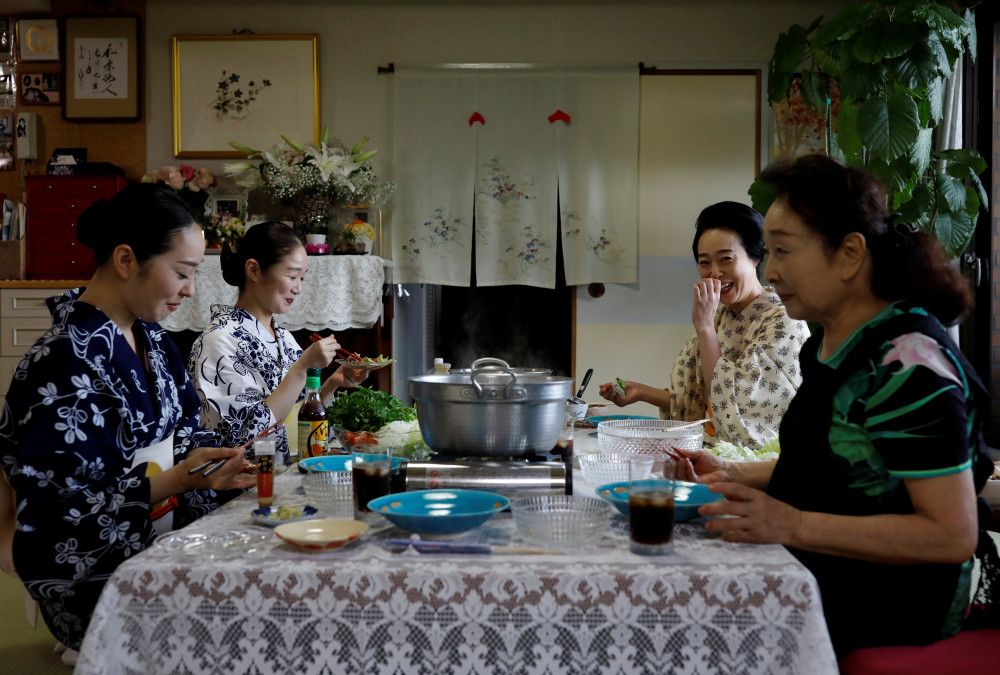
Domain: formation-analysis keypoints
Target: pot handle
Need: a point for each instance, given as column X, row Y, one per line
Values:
column 491, row 366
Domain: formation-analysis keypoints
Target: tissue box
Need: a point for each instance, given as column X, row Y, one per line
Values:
column 12, row 259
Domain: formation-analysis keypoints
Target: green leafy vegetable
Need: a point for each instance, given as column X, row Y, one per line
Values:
column 365, row 409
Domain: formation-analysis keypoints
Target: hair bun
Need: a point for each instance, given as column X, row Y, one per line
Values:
column 92, row 225
column 233, row 265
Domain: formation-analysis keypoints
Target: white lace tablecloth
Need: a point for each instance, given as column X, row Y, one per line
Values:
column 710, row 607
column 340, row 292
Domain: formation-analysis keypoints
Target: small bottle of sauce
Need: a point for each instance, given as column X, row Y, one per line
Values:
column 313, row 427
column 264, row 450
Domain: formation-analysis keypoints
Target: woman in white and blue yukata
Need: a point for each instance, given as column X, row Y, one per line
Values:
column 248, row 370
column 100, row 429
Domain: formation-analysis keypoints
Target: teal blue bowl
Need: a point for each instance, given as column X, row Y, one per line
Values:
column 338, row 463
column 687, row 498
column 325, row 463
column 439, row 514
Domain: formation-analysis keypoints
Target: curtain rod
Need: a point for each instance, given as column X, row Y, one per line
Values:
column 391, row 68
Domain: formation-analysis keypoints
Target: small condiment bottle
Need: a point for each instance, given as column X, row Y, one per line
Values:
column 264, row 450
column 440, row 367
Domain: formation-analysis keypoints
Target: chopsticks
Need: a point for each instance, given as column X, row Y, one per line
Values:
column 270, row 431
column 343, row 353
column 461, row 547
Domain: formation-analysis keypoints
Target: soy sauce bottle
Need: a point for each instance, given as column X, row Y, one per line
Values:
column 313, row 426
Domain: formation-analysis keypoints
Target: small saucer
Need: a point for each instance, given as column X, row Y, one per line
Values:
column 268, row 515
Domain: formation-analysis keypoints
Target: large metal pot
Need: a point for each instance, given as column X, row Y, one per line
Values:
column 492, row 412
column 489, row 363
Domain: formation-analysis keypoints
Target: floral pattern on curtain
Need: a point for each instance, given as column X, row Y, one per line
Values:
column 517, row 167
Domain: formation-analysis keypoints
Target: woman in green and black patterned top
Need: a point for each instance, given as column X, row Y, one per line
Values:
column 875, row 488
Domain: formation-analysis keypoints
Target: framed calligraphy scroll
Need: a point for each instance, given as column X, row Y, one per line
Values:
column 102, row 69
column 246, row 88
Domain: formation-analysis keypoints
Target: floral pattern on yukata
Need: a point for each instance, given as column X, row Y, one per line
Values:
column 754, row 379
column 80, row 404
column 235, row 365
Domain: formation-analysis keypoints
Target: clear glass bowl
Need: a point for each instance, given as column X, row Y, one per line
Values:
column 332, row 492
column 647, row 437
column 561, row 521
column 600, row 468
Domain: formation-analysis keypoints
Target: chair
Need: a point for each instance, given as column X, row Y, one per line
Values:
column 974, row 652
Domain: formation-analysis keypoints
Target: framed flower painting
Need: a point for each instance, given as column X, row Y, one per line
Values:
column 228, row 87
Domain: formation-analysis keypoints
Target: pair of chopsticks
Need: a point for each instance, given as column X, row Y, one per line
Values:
column 270, row 431
column 343, row 353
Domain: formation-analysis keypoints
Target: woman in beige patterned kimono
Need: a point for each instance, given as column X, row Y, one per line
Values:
column 741, row 367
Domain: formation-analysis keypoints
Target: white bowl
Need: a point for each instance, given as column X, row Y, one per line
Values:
column 321, row 535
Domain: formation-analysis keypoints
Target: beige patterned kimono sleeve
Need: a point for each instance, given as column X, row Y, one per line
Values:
column 754, row 380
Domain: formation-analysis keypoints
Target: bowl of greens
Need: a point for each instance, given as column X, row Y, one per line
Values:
column 369, row 419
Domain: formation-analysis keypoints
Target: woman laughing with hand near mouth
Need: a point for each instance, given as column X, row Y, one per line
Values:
column 741, row 365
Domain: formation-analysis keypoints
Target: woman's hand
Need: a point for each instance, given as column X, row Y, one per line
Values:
column 320, row 353
column 632, row 393
column 760, row 519
column 701, row 466
column 346, row 378
column 177, row 480
column 706, row 303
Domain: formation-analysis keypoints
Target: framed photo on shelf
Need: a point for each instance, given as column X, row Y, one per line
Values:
column 228, row 206
column 39, row 88
column 103, row 73
column 38, row 39
column 246, row 88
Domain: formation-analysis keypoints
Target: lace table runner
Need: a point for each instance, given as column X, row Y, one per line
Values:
column 265, row 607
column 339, row 292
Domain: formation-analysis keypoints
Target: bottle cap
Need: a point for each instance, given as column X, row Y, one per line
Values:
column 438, row 360
column 313, row 372
column 263, row 446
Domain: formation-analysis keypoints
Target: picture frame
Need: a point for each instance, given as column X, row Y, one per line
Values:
column 38, row 39
column 6, row 37
column 246, row 88
column 103, row 69
column 40, row 88
column 228, row 205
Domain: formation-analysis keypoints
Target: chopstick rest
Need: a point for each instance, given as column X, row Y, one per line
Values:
column 459, row 547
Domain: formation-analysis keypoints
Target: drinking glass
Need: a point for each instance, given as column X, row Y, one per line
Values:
column 650, row 508
column 371, row 474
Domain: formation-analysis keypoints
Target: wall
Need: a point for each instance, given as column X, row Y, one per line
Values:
column 122, row 144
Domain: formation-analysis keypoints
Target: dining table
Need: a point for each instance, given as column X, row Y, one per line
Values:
column 243, row 601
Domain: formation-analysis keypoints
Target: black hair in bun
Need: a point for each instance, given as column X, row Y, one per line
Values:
column 735, row 217
column 144, row 216
column 268, row 243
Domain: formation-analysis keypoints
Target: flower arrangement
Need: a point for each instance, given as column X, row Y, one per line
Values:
column 183, row 177
column 357, row 231
column 223, row 228
column 328, row 169
column 191, row 185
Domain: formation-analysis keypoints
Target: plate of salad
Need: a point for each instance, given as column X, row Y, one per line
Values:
column 367, row 362
column 367, row 417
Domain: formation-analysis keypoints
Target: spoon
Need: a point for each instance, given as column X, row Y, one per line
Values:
column 586, row 380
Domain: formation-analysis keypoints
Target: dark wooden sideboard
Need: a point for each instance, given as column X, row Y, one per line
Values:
column 54, row 203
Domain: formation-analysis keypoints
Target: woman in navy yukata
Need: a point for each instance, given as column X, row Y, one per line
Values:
column 100, row 424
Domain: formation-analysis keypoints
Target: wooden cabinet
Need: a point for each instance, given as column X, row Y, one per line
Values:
column 54, row 203
column 23, row 319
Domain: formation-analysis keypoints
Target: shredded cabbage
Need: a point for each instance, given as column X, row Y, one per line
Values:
column 405, row 439
column 735, row 453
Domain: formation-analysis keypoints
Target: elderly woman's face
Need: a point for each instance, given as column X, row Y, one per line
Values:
column 721, row 256
column 798, row 266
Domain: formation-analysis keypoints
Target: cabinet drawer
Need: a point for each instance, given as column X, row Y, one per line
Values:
column 50, row 205
column 62, row 265
column 7, row 366
column 92, row 187
column 20, row 303
column 19, row 334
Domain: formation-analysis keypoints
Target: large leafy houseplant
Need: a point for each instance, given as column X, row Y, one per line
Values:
column 891, row 60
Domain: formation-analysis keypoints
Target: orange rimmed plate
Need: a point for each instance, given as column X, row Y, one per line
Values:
column 324, row 534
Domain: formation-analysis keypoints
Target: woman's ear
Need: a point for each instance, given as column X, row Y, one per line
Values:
column 123, row 259
column 852, row 254
column 251, row 270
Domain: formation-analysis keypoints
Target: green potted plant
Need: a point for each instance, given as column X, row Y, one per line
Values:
column 890, row 61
